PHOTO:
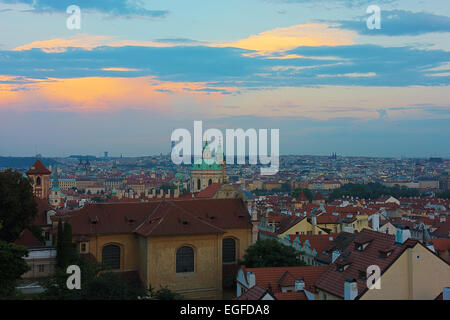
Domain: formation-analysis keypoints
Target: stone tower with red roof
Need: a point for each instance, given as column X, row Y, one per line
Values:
column 40, row 179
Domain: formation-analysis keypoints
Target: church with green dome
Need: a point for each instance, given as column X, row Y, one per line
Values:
column 208, row 169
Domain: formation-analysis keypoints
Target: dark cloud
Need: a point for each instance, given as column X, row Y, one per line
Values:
column 119, row 8
column 346, row 3
column 364, row 65
column 400, row 23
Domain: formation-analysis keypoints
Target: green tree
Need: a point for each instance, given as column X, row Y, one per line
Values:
column 163, row 293
column 17, row 205
column 96, row 284
column 271, row 253
column 168, row 186
column 111, row 286
column 59, row 246
column 372, row 191
column 12, row 266
column 286, row 187
column 65, row 250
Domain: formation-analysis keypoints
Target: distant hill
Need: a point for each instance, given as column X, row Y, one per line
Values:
column 23, row 162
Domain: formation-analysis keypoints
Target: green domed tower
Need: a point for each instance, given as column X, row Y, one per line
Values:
column 207, row 170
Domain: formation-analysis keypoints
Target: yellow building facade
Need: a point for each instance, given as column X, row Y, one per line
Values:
column 215, row 232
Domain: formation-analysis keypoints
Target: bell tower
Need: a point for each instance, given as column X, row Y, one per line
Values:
column 40, row 179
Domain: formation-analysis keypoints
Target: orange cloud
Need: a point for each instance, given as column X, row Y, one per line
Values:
column 107, row 94
column 283, row 39
column 87, row 42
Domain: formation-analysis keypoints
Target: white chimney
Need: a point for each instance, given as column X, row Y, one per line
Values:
column 402, row 235
column 299, row 285
column 314, row 220
column 168, row 194
column 176, row 193
column 251, row 279
column 334, row 255
column 376, row 222
column 350, row 289
column 446, row 293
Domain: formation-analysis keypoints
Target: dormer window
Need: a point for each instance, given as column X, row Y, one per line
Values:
column 385, row 253
column 362, row 274
column 341, row 267
column 361, row 246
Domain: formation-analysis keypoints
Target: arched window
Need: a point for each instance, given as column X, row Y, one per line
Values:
column 228, row 250
column 209, row 182
column 38, row 181
column 111, row 256
column 199, row 184
column 185, row 259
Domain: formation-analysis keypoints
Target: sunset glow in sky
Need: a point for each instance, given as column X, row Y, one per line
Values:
column 137, row 70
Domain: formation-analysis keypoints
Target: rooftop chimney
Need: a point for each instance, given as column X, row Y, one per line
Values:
column 334, row 255
column 314, row 219
column 251, row 279
column 375, row 222
column 299, row 285
column 176, row 193
column 350, row 289
column 446, row 293
column 402, row 235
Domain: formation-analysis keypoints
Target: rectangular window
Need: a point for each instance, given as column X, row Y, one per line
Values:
column 83, row 247
column 41, row 268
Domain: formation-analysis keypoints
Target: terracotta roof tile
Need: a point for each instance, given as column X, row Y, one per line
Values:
column 38, row 168
column 27, row 239
column 163, row 217
column 273, row 276
column 332, row 281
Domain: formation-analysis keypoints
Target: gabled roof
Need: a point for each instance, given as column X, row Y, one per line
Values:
column 283, row 275
column 288, row 222
column 333, row 280
column 318, row 196
column 170, row 219
column 38, row 168
column 319, row 242
column 27, row 239
column 210, row 191
column 254, row 293
column 302, row 197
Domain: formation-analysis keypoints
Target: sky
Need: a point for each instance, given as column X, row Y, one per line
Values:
column 137, row 70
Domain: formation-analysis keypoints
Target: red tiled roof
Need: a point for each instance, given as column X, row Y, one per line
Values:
column 272, row 276
column 210, row 191
column 441, row 244
column 293, row 295
column 333, row 280
column 254, row 293
column 40, row 219
column 327, row 219
column 320, row 242
column 27, row 239
column 288, row 222
column 163, row 217
column 302, row 197
column 38, row 168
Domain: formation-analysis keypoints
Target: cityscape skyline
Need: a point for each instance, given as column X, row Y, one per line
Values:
column 135, row 71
